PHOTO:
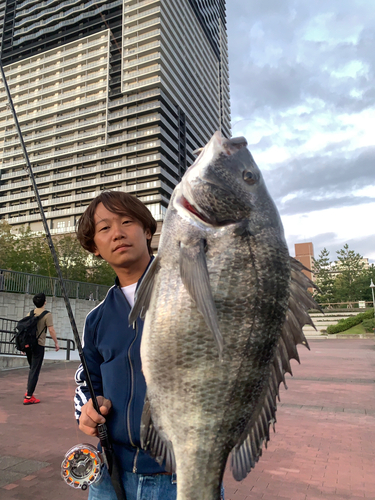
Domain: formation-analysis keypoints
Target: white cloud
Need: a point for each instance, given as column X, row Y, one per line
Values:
column 302, row 94
column 345, row 223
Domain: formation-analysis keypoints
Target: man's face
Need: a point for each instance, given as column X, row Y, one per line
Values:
column 119, row 239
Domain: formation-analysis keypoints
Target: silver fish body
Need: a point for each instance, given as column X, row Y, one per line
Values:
column 216, row 342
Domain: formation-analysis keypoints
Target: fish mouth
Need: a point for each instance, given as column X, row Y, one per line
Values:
column 192, row 209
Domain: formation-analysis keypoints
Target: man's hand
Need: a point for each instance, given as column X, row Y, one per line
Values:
column 89, row 419
column 57, row 347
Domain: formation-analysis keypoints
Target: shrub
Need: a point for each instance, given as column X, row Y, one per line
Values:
column 369, row 325
column 345, row 324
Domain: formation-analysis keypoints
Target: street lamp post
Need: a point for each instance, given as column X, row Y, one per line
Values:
column 372, row 286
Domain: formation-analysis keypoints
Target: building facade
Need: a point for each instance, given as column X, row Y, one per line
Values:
column 304, row 253
column 109, row 95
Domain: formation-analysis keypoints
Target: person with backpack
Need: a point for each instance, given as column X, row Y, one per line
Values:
column 35, row 347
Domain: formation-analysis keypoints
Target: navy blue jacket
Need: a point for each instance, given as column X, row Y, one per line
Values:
column 112, row 351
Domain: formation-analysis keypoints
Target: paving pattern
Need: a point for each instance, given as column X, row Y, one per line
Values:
column 323, row 448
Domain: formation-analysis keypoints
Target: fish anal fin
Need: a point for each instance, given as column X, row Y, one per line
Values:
column 151, row 441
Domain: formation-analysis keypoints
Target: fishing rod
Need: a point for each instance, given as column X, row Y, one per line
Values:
column 82, row 464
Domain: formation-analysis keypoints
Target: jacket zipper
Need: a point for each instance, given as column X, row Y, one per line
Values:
column 135, row 327
column 135, row 461
column 132, row 385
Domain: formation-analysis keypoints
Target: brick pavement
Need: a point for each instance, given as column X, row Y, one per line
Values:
column 323, row 447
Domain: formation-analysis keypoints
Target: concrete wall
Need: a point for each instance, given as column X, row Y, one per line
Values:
column 17, row 305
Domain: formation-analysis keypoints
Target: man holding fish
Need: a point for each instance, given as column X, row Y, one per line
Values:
column 118, row 228
column 225, row 309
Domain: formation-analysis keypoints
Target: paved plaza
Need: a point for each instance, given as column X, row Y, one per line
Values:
column 323, row 448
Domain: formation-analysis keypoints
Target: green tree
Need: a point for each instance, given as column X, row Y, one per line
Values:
column 362, row 284
column 33, row 254
column 350, row 267
column 100, row 272
column 27, row 252
column 322, row 268
column 73, row 259
column 8, row 253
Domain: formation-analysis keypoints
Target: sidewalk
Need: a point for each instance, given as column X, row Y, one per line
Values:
column 323, row 447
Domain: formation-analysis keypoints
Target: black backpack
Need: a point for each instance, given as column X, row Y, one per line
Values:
column 26, row 331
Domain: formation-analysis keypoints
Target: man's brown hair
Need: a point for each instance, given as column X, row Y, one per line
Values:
column 119, row 203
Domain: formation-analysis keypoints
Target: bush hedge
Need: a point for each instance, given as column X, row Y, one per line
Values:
column 369, row 325
column 345, row 324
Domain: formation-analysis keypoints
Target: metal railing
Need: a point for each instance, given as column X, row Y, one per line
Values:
column 17, row 282
column 354, row 304
column 7, row 345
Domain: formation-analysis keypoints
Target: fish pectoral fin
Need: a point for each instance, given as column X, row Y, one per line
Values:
column 194, row 275
column 160, row 449
column 143, row 294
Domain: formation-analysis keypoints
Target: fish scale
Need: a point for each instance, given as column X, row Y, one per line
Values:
column 220, row 328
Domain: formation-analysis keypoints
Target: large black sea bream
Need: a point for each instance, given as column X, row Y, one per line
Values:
column 225, row 308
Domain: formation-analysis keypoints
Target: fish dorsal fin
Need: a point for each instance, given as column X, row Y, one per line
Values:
column 194, row 275
column 249, row 447
column 159, row 448
column 143, row 294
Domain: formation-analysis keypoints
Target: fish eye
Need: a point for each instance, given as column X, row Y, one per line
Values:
column 249, row 177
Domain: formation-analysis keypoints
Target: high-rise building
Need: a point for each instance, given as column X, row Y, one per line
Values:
column 109, row 95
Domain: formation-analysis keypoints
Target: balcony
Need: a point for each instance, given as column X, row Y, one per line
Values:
column 97, row 86
column 136, row 39
column 54, row 154
column 68, row 22
column 143, row 83
column 42, row 11
column 142, row 48
column 37, row 5
column 26, row 92
column 134, row 135
column 138, row 5
column 134, row 74
column 135, row 110
column 133, row 123
column 57, row 119
column 76, row 137
column 141, row 186
column 137, row 17
column 79, row 210
column 134, row 98
column 49, row 215
column 40, row 94
column 140, row 27
column 141, row 60
column 60, row 53
column 53, row 18
column 71, row 105
column 54, row 131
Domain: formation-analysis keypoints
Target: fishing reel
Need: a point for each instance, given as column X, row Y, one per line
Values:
column 82, row 466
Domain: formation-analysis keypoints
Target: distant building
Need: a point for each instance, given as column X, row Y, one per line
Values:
column 305, row 253
column 335, row 268
column 115, row 94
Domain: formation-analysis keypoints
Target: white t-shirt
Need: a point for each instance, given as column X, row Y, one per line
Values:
column 129, row 292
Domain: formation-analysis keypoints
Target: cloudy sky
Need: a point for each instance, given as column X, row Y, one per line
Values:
column 303, row 94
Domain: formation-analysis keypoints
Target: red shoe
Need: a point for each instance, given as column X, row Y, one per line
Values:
column 31, row 401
